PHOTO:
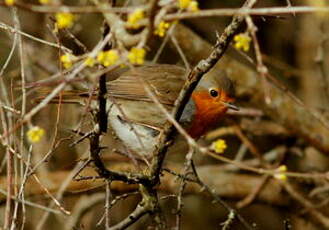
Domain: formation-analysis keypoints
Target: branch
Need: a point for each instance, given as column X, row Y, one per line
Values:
column 132, row 218
column 320, row 217
column 227, row 184
column 245, row 12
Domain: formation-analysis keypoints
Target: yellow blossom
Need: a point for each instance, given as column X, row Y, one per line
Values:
column 183, row 4
column 90, row 61
column 190, row 5
column 162, row 28
column 35, row 134
column 44, row 2
column 136, row 56
column 108, row 58
column 219, row 146
column 242, row 41
column 193, row 6
column 280, row 173
column 134, row 18
column 10, row 2
column 67, row 60
column 64, row 20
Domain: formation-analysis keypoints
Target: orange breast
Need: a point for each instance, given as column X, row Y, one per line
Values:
column 208, row 113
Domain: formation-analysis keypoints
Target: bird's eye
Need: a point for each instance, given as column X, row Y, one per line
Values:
column 213, row 92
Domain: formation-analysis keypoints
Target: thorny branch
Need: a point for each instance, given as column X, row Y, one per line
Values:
column 219, row 200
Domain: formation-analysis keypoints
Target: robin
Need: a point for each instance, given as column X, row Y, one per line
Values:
column 137, row 120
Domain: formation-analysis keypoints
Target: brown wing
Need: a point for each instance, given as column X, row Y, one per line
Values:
column 166, row 82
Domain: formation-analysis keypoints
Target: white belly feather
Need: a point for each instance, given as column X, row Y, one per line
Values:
column 137, row 137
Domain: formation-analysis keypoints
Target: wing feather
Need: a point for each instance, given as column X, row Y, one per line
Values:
column 166, row 82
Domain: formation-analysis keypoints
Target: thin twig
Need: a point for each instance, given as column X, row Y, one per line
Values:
column 253, row 195
column 58, row 89
column 187, row 167
column 321, row 218
column 246, row 12
column 14, row 30
column 220, row 200
column 180, row 51
column 32, row 204
column 261, row 68
column 107, row 204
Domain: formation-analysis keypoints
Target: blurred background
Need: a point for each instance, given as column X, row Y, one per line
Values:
column 294, row 48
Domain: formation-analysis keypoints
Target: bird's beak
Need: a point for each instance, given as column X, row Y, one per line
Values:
column 230, row 105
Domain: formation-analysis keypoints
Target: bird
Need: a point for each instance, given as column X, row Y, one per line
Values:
column 137, row 121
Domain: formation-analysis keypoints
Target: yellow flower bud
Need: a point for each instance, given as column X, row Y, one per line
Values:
column 67, row 60
column 108, row 58
column 242, row 41
column 35, row 134
column 64, row 20
column 44, row 2
column 136, row 56
column 280, row 173
column 10, row 2
column 162, row 28
column 219, row 146
column 90, row 61
column 134, row 18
